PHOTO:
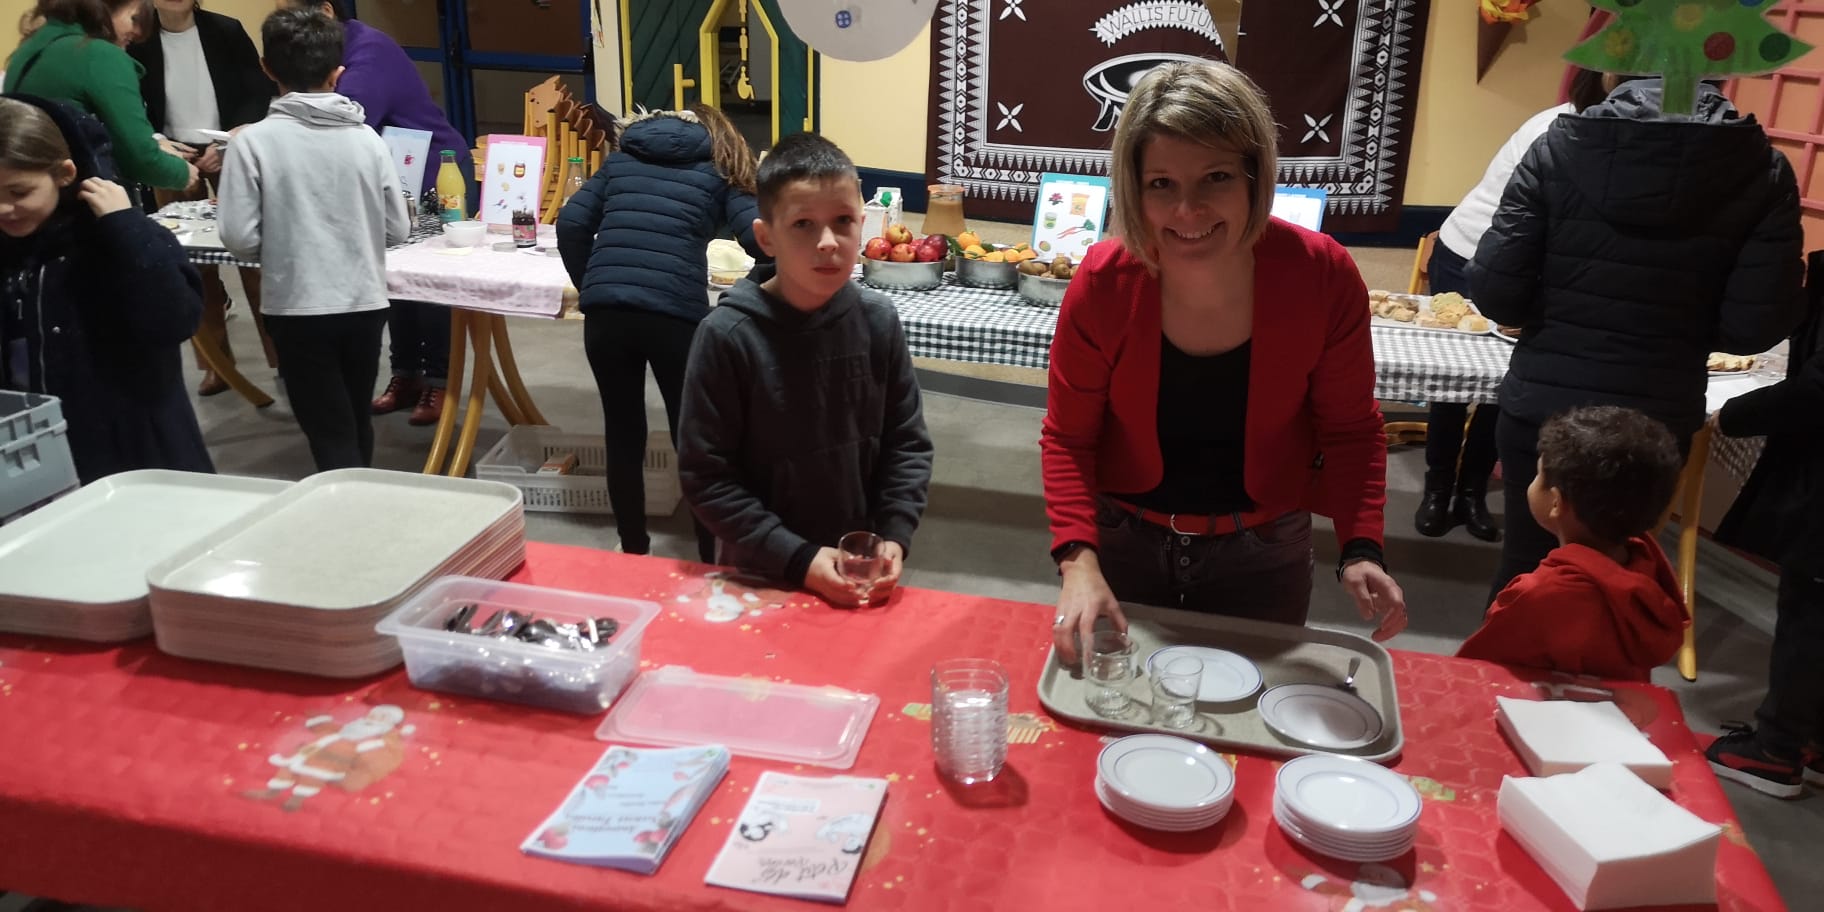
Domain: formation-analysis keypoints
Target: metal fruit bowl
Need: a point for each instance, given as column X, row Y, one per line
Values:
column 902, row 276
column 983, row 274
column 1043, row 289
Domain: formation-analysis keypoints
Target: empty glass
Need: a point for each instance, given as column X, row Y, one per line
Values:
column 969, row 719
column 1108, row 670
column 860, row 561
column 1175, row 684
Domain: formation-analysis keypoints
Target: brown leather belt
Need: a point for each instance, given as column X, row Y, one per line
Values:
column 1197, row 523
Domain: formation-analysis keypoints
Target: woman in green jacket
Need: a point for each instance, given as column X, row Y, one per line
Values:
column 70, row 54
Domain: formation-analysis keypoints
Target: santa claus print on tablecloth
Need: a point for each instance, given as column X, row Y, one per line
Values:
column 349, row 756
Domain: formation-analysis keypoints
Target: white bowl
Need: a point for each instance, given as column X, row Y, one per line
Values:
column 465, row 234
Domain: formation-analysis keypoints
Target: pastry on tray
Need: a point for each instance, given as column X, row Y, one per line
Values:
column 1721, row 363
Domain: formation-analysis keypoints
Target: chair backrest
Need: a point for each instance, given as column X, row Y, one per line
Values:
column 1421, row 265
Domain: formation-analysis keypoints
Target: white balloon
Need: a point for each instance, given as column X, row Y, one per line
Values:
column 857, row 29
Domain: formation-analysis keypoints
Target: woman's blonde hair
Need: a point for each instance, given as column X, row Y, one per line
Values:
column 29, row 138
column 728, row 148
column 1202, row 102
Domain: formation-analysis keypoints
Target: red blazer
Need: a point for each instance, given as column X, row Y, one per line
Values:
column 1583, row 613
column 1314, row 433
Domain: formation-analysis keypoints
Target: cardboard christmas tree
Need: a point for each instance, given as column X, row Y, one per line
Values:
column 1685, row 41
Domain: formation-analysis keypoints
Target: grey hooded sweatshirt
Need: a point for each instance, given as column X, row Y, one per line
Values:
column 799, row 427
column 311, row 192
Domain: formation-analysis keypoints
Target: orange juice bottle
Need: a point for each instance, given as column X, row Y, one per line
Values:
column 452, row 190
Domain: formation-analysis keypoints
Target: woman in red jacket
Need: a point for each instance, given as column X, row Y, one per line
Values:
column 1212, row 382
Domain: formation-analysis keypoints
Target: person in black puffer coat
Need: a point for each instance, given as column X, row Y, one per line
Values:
column 634, row 240
column 1630, row 244
column 98, row 298
column 1780, row 516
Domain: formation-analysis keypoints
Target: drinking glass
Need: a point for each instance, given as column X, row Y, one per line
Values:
column 969, row 719
column 1175, row 685
column 1110, row 667
column 860, row 561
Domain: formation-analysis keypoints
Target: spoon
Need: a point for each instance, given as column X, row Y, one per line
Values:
column 1348, row 684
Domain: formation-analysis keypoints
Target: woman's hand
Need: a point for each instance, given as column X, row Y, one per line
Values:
column 104, row 196
column 1085, row 597
column 181, row 150
column 1376, row 596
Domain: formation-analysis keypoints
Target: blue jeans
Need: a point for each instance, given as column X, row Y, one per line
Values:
column 1262, row 573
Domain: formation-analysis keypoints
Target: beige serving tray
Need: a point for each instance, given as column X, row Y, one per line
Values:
column 1285, row 655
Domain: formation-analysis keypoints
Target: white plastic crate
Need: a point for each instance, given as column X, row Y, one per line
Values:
column 516, row 458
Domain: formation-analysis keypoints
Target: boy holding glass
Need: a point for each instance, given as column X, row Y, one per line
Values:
column 801, row 419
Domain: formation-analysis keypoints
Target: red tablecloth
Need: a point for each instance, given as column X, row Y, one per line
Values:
column 124, row 776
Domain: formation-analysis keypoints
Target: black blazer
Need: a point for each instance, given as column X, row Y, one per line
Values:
column 242, row 90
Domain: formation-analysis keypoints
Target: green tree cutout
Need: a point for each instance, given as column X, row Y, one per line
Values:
column 1685, row 41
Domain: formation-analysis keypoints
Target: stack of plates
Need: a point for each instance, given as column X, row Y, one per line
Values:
column 77, row 567
column 1346, row 808
column 299, row 584
column 1164, row 783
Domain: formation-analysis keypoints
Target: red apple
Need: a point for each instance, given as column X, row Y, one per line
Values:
column 931, row 253
column 877, row 249
column 897, row 234
column 902, row 253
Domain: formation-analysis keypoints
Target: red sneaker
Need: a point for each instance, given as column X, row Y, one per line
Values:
column 400, row 393
column 1739, row 757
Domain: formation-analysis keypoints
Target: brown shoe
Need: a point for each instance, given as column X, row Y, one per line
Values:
column 429, row 407
column 212, row 385
column 400, row 393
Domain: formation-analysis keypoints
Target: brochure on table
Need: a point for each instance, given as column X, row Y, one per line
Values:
column 1302, row 206
column 1072, row 213
column 800, row 836
column 514, row 180
column 631, row 808
column 410, row 148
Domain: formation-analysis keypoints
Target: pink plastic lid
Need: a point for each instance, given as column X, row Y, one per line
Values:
column 753, row 717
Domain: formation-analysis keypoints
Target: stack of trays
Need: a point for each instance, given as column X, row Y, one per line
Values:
column 1346, row 808
column 299, row 584
column 1164, row 783
column 77, row 567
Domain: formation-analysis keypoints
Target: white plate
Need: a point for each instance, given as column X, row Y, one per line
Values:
column 1395, row 842
column 1112, row 802
column 1343, row 851
column 214, row 135
column 1347, row 797
column 1320, row 716
column 1227, row 677
column 1166, row 774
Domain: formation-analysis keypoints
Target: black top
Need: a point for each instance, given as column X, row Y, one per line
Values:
column 1203, row 419
column 242, row 90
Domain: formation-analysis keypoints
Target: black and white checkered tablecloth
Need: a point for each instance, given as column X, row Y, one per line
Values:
column 993, row 326
column 214, row 254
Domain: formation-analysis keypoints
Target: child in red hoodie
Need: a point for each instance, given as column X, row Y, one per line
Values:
column 1604, row 602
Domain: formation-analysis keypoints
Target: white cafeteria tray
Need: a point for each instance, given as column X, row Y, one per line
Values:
column 94, row 546
column 339, row 540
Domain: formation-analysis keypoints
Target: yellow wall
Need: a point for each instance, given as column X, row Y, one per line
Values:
column 1462, row 122
column 877, row 111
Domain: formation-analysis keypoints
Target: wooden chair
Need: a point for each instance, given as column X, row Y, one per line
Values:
column 1688, row 504
column 1400, row 432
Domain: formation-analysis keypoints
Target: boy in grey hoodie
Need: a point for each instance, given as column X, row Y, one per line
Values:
column 801, row 418
column 311, row 193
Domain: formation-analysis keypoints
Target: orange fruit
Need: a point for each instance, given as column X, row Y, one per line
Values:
column 968, row 239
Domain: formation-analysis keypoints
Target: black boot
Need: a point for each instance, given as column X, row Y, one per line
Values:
column 1470, row 509
column 1434, row 518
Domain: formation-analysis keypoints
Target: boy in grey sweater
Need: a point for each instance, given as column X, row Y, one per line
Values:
column 312, row 194
column 801, row 418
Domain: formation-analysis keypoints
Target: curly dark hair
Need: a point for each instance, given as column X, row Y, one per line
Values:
column 1615, row 467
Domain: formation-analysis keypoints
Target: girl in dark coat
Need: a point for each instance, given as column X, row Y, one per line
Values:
column 634, row 241
column 97, row 297
column 1629, row 244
